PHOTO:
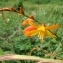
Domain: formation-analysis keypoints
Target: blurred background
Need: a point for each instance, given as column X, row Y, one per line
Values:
column 12, row 39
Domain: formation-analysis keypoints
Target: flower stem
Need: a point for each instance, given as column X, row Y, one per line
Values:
column 25, row 57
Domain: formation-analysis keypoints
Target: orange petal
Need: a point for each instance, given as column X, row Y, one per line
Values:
column 26, row 33
column 50, row 34
column 25, row 22
column 34, row 32
column 29, row 28
column 31, row 23
column 52, row 27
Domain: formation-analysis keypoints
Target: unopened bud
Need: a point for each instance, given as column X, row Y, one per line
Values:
column 21, row 10
column 31, row 16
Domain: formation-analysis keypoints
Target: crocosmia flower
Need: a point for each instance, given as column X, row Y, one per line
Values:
column 39, row 30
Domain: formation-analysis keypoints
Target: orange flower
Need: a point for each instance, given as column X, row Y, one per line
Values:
column 26, row 21
column 29, row 21
column 41, row 30
column 27, row 30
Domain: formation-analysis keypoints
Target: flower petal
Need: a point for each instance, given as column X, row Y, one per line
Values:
column 26, row 33
column 52, row 27
column 34, row 32
column 50, row 34
column 29, row 28
column 25, row 22
column 31, row 23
